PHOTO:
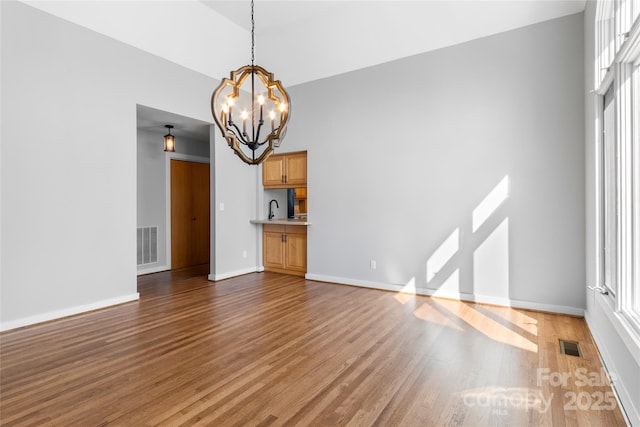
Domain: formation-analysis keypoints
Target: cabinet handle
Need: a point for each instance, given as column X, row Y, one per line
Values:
column 285, row 179
column 284, row 238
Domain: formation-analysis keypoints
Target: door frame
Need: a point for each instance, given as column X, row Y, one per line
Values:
column 167, row 188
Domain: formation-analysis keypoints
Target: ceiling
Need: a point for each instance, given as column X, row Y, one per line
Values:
column 298, row 40
column 301, row 40
column 153, row 120
column 305, row 40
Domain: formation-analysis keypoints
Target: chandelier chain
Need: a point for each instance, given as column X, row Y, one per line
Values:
column 253, row 37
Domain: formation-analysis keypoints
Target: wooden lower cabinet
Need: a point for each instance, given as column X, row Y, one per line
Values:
column 273, row 247
column 284, row 249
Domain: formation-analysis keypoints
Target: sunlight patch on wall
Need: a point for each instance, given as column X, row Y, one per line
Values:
column 491, row 263
column 451, row 286
column 488, row 206
column 443, row 254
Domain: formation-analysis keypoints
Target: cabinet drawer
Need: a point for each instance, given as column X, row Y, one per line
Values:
column 273, row 228
column 295, row 229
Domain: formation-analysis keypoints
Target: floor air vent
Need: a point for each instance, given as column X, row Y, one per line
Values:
column 147, row 245
column 572, row 348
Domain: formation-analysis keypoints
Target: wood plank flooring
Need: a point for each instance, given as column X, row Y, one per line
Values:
column 272, row 350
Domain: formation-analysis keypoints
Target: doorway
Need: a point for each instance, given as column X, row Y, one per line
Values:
column 190, row 214
column 193, row 140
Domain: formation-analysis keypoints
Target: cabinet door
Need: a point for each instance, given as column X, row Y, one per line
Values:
column 273, row 249
column 300, row 193
column 273, row 171
column 296, row 169
column 296, row 251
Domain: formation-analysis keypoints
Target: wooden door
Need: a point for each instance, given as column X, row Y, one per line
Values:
column 190, row 220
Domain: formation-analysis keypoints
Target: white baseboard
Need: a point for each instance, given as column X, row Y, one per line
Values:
column 507, row 302
column 52, row 315
column 150, row 270
column 222, row 276
column 354, row 282
column 483, row 299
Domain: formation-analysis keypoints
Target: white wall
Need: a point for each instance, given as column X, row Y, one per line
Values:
column 235, row 188
column 151, row 191
column 620, row 353
column 401, row 154
column 68, row 167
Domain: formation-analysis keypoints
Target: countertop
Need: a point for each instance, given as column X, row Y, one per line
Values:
column 282, row 221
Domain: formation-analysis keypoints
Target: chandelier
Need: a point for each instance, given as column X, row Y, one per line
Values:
column 253, row 123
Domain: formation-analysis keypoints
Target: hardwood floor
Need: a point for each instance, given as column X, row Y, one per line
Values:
column 269, row 349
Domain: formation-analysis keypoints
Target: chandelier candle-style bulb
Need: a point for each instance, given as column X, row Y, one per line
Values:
column 251, row 89
column 244, row 116
column 225, row 114
column 261, row 102
column 230, row 104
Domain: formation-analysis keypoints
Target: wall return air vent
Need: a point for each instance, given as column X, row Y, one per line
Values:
column 147, row 245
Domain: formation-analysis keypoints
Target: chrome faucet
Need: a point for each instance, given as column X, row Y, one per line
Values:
column 271, row 215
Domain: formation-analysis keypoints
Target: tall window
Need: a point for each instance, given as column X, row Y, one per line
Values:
column 605, row 38
column 623, row 20
column 618, row 82
column 609, row 226
column 634, row 294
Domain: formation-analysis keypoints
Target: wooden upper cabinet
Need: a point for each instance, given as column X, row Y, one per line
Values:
column 273, row 171
column 295, row 169
column 285, row 170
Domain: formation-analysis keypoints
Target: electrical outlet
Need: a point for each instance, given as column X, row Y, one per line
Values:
column 373, row 264
column 221, row 206
column 244, row 254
